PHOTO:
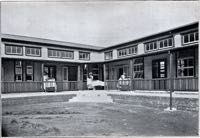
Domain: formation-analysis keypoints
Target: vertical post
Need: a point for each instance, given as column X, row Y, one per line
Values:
column 79, row 78
column 105, row 73
column 131, row 74
column 42, row 72
column 170, row 78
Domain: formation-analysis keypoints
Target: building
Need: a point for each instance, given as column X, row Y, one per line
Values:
column 155, row 62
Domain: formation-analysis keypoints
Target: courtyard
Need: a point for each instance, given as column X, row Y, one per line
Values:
column 96, row 119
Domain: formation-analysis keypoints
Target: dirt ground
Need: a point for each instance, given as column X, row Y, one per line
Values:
column 92, row 119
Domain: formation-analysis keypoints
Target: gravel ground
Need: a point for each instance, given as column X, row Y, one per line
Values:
column 96, row 119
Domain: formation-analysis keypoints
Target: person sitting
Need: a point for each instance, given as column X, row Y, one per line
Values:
column 123, row 83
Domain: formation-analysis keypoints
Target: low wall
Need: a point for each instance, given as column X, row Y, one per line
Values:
column 36, row 99
column 189, row 104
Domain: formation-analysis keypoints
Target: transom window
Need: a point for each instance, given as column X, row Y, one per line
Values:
column 138, row 68
column 127, row 51
column 60, row 54
column 13, row 50
column 108, row 55
column 159, row 68
column 31, row 51
column 151, row 46
column 159, row 44
column 190, row 37
column 84, row 55
column 165, row 43
column 185, row 67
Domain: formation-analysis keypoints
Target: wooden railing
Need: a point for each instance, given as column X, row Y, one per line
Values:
column 10, row 87
column 178, row 84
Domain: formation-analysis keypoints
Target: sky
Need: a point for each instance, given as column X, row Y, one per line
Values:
column 95, row 23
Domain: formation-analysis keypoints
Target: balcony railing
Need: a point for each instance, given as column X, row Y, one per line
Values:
column 178, row 84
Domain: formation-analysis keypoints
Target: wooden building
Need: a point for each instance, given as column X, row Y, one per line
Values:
column 151, row 62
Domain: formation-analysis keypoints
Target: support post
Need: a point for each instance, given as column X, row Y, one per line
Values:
column 131, row 74
column 170, row 79
column 79, row 78
column 42, row 73
column 104, row 76
column 170, row 82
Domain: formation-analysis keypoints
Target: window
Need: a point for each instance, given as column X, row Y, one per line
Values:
column 65, row 73
column 138, row 68
column 13, row 50
column 185, row 67
column 29, row 71
column 18, row 70
column 84, row 56
column 151, row 46
column 165, row 43
column 159, row 68
column 30, row 51
column 60, row 54
column 108, row 55
column 127, row 51
column 190, row 37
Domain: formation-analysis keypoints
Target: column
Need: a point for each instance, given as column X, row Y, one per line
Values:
column 131, row 73
column 79, row 78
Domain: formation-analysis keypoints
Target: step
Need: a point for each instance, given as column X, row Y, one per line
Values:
column 92, row 97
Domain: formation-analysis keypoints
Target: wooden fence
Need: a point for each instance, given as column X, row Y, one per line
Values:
column 178, row 84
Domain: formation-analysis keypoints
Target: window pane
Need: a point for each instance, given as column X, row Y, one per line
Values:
column 191, row 62
column 165, row 43
column 135, row 50
column 186, row 39
column 147, row 47
column 191, row 37
column 170, row 42
column 191, row 71
column 28, row 51
column 161, row 44
column 155, row 45
column 14, row 50
column 8, row 49
column 38, row 52
column 151, row 46
column 185, row 72
column 185, row 63
column 32, row 51
column 197, row 36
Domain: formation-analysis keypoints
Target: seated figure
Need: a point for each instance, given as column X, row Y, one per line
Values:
column 123, row 83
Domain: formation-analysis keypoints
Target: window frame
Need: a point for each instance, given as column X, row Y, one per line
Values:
column 110, row 55
column 35, row 48
column 32, row 75
column 177, row 68
column 87, row 53
column 136, row 65
column 17, row 46
column 188, row 35
column 124, row 52
column 159, row 68
column 148, row 45
column 59, row 52
column 15, row 74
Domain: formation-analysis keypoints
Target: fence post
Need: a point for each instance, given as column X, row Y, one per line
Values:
column 170, row 79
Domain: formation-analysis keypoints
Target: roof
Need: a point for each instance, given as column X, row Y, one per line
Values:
column 155, row 35
column 33, row 40
column 48, row 42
